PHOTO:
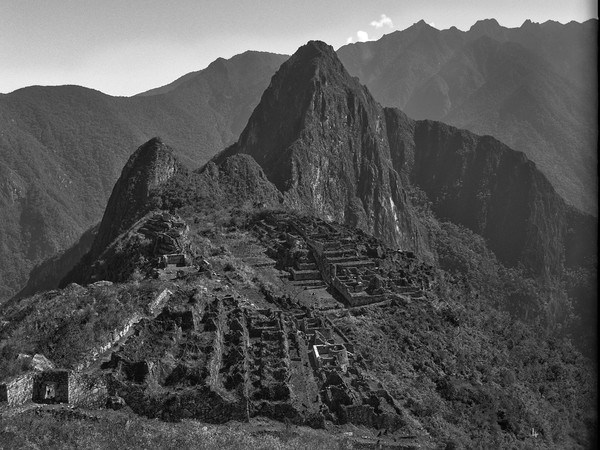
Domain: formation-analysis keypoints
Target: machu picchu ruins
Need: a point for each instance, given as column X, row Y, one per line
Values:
column 250, row 323
column 218, row 356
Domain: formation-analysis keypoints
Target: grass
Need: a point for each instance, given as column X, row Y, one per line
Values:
column 72, row 430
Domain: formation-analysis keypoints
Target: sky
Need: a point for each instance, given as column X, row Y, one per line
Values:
column 123, row 47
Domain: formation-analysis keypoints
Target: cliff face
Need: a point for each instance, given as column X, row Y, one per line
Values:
column 532, row 87
column 150, row 166
column 321, row 140
column 484, row 185
column 332, row 150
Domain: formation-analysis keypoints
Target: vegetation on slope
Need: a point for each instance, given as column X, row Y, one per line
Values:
column 65, row 324
column 60, row 429
column 62, row 149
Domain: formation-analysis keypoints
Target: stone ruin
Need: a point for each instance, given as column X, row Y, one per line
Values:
column 215, row 360
column 357, row 266
column 168, row 233
column 170, row 245
column 54, row 386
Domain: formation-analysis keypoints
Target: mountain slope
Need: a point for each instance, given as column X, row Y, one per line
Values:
column 533, row 87
column 480, row 183
column 62, row 148
column 320, row 138
column 324, row 142
column 148, row 168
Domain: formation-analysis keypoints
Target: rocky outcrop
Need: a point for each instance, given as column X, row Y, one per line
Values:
column 238, row 179
column 150, row 166
column 321, row 140
column 148, row 169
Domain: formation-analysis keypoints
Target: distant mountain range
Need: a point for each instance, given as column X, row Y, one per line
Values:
column 532, row 87
column 61, row 148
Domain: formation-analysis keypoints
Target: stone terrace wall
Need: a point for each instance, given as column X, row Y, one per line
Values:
column 157, row 304
column 216, row 358
column 113, row 337
column 20, row 389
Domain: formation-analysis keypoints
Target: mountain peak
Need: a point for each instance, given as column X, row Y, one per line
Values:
column 151, row 165
column 320, row 138
column 302, row 92
column 529, row 23
column 485, row 25
column 312, row 55
column 153, row 143
column 420, row 25
column 316, row 48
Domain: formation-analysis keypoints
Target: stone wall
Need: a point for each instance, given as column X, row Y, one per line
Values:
column 200, row 403
column 113, row 337
column 87, row 391
column 157, row 304
column 20, row 389
column 217, row 356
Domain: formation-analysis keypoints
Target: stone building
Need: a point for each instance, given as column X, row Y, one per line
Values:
column 51, row 386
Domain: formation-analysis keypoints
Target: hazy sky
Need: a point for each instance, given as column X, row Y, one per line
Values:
column 123, row 47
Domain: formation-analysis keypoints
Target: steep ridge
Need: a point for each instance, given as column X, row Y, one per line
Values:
column 321, row 140
column 533, row 87
column 332, row 150
column 151, row 165
column 495, row 191
column 148, row 168
column 62, row 149
column 237, row 182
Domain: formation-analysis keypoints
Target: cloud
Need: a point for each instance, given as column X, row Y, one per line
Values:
column 385, row 20
column 362, row 36
column 432, row 24
column 349, row 40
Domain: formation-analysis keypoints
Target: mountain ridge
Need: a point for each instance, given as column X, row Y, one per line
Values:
column 324, row 142
column 327, row 151
column 67, row 145
column 34, row 134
